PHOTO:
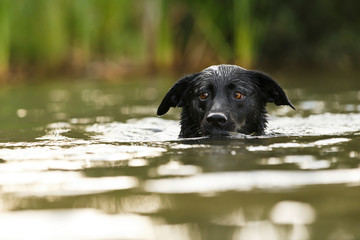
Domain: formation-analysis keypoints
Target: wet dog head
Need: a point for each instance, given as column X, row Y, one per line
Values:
column 223, row 99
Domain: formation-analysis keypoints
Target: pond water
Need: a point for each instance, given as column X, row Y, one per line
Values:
column 90, row 160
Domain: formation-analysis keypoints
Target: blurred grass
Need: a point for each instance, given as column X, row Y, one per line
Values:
column 249, row 32
column 114, row 37
column 5, row 12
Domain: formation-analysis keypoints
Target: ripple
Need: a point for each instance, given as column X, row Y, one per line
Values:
column 315, row 125
column 158, row 129
column 319, row 143
column 92, row 152
column 136, row 130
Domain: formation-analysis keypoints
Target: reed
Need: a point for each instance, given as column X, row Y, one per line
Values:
column 215, row 36
column 5, row 14
column 249, row 32
column 53, row 34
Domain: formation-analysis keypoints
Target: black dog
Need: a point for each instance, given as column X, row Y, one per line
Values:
column 223, row 99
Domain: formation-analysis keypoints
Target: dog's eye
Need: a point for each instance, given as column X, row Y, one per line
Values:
column 238, row 95
column 204, row 95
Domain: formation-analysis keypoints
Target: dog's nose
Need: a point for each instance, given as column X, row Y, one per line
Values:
column 217, row 119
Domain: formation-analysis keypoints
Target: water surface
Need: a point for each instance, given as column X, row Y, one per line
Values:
column 90, row 160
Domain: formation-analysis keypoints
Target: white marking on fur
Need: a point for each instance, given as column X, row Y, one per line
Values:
column 215, row 68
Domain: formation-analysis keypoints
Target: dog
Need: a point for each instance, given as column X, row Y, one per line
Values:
column 222, row 100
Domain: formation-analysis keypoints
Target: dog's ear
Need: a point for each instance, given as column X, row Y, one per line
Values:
column 175, row 95
column 271, row 89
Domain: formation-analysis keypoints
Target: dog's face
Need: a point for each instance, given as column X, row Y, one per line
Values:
column 223, row 99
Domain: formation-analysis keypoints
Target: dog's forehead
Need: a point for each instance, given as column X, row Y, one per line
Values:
column 224, row 72
column 221, row 74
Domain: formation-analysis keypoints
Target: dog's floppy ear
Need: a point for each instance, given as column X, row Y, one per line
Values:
column 174, row 97
column 271, row 89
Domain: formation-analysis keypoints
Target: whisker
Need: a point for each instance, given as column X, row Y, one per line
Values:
column 193, row 128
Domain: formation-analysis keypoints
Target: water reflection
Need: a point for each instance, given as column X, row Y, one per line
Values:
column 247, row 181
column 74, row 224
column 56, row 183
column 302, row 161
column 175, row 168
column 257, row 230
column 294, row 213
column 293, row 144
column 21, row 113
column 98, row 99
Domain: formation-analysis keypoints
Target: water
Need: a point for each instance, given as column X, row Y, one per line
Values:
column 90, row 160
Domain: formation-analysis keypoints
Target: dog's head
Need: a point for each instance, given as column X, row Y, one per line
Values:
column 223, row 99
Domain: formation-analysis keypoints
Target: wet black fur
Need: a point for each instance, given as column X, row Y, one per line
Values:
column 247, row 115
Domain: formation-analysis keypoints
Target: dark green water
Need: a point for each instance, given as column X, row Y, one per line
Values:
column 90, row 160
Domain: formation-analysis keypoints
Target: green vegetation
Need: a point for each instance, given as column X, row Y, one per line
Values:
column 4, row 37
column 112, row 37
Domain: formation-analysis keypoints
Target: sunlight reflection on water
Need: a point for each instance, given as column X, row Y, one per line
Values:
column 302, row 161
column 325, row 142
column 56, row 183
column 73, row 224
column 251, row 180
column 92, row 152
